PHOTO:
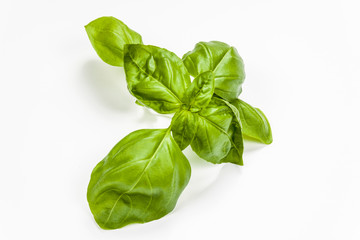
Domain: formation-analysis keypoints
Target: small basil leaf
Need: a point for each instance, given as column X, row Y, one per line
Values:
column 108, row 36
column 156, row 77
column 218, row 138
column 254, row 123
column 184, row 127
column 200, row 91
column 237, row 138
column 139, row 181
column 224, row 61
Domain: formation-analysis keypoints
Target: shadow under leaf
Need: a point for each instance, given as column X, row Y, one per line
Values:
column 109, row 84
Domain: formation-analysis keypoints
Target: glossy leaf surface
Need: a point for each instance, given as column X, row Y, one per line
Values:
column 200, row 91
column 218, row 138
column 254, row 122
column 139, row 181
column 184, row 127
column 108, row 36
column 156, row 77
column 224, row 61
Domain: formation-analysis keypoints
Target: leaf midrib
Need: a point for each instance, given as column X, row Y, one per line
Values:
column 222, row 130
column 138, row 180
column 157, row 80
column 211, row 57
column 222, row 58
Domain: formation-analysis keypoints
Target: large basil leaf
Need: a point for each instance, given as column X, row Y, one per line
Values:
column 139, row 181
column 254, row 123
column 108, row 36
column 224, row 61
column 200, row 91
column 156, row 77
column 183, row 127
column 218, row 138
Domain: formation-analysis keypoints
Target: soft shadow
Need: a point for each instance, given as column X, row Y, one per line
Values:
column 206, row 178
column 251, row 145
column 195, row 160
column 147, row 117
column 208, row 182
column 109, row 84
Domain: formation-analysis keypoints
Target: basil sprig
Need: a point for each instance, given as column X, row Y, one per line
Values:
column 142, row 177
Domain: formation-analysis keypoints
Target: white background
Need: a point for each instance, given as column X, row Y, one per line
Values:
column 63, row 109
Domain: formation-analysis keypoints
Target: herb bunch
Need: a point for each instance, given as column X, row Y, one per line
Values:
column 142, row 177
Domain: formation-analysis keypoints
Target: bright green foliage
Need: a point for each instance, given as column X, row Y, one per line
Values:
column 108, row 36
column 142, row 177
column 254, row 123
column 156, row 77
column 197, row 96
column 218, row 137
column 140, row 180
column 199, row 93
column 224, row 61
column 184, row 127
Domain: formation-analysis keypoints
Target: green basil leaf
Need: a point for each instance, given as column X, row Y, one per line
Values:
column 140, row 180
column 156, row 77
column 183, row 127
column 218, row 138
column 224, row 61
column 108, row 36
column 254, row 123
column 200, row 91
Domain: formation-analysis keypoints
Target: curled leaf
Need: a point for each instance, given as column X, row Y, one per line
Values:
column 254, row 122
